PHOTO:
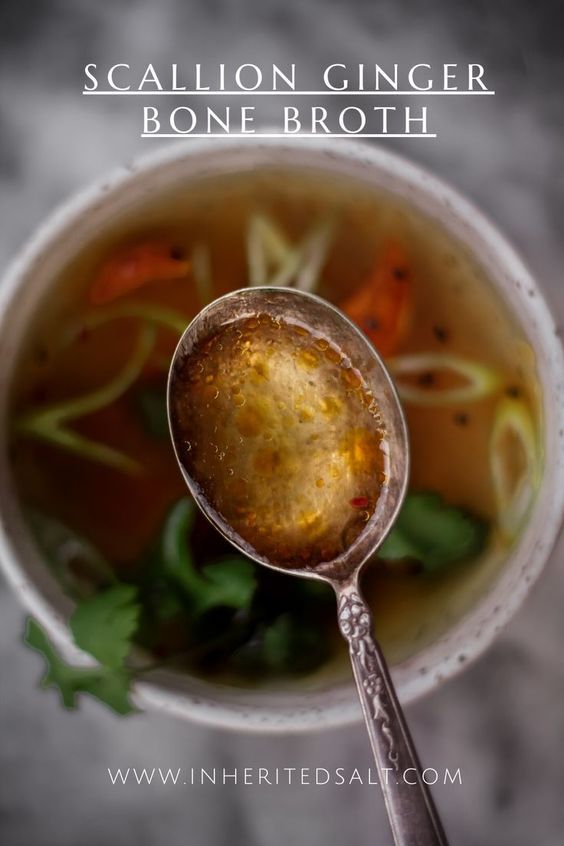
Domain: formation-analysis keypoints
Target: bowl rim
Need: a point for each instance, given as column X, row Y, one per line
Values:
column 474, row 631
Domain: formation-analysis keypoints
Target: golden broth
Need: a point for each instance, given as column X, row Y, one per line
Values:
column 455, row 311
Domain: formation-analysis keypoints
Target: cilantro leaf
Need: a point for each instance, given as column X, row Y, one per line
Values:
column 433, row 533
column 110, row 686
column 293, row 645
column 228, row 582
column 398, row 546
column 104, row 625
column 277, row 641
column 174, row 552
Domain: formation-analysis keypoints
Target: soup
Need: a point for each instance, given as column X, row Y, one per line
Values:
column 95, row 468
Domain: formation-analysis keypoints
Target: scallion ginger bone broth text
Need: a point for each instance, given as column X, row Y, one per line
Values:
column 282, row 436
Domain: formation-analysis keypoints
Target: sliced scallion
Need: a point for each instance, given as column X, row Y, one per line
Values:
column 49, row 423
column 513, row 429
column 151, row 313
column 267, row 246
column 481, row 380
column 273, row 260
column 314, row 254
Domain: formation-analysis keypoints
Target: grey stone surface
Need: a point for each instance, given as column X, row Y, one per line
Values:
column 502, row 721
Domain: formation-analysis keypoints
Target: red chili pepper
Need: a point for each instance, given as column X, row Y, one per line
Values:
column 360, row 502
column 135, row 266
column 383, row 305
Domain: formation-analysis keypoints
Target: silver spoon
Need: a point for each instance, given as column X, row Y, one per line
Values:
column 411, row 811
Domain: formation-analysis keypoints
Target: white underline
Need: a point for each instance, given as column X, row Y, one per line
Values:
column 287, row 135
column 287, row 93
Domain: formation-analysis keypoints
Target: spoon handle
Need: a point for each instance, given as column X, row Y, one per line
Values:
column 413, row 817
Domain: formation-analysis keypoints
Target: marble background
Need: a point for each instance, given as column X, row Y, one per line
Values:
column 502, row 721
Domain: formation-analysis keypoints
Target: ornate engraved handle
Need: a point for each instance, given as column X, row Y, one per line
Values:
column 412, row 813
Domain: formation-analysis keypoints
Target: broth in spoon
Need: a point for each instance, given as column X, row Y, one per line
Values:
column 283, row 436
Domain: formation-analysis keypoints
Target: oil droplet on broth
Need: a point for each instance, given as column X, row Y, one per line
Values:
column 298, row 429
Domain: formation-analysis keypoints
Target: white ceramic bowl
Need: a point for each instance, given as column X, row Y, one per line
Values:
column 64, row 233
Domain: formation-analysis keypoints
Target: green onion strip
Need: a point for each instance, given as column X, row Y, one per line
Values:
column 273, row 260
column 49, row 423
column 481, row 381
column 514, row 497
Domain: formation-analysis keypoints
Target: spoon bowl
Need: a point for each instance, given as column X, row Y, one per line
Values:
column 317, row 315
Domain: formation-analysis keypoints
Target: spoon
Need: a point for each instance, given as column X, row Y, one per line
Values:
column 412, row 814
